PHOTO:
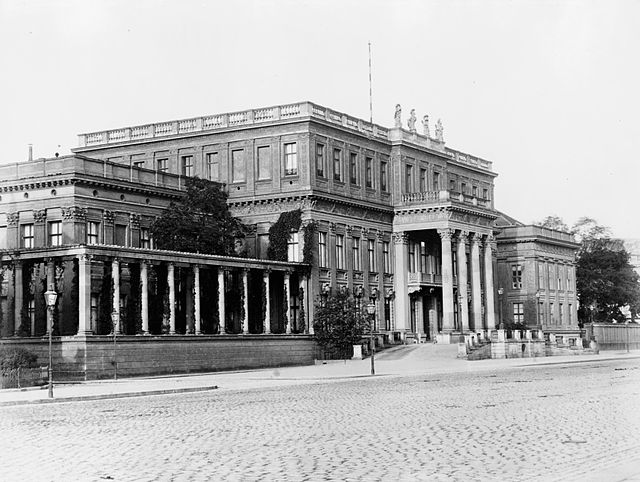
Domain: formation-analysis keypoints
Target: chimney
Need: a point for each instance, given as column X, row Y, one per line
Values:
column 30, row 152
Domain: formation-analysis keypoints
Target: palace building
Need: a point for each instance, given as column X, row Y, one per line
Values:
column 397, row 217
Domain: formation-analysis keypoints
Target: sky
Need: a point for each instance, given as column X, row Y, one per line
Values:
column 546, row 90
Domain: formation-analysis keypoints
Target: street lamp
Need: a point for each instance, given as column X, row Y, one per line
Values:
column 627, row 330
column 115, row 317
column 50, row 297
column 500, row 293
column 460, row 301
column 538, row 324
column 371, row 309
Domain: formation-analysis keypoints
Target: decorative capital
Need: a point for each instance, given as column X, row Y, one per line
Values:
column 400, row 238
column 13, row 219
column 349, row 230
column 332, row 227
column 389, row 293
column 445, row 234
column 74, row 213
column 85, row 258
column 476, row 239
column 39, row 216
column 463, row 236
column 379, row 234
column 134, row 221
column 109, row 217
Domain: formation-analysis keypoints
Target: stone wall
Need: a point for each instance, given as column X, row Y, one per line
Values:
column 92, row 357
column 614, row 336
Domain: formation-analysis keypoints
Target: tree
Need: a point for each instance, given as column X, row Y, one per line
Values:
column 553, row 222
column 339, row 322
column 200, row 222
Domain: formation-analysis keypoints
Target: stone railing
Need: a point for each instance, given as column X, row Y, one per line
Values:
column 230, row 120
column 430, row 278
column 468, row 159
column 436, row 197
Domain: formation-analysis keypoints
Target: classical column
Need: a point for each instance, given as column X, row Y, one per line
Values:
column 400, row 247
column 196, row 299
column 245, row 302
column 189, row 327
column 18, row 297
column 489, row 308
column 115, row 276
column 172, row 298
column 84, row 295
column 267, row 309
column 144, row 296
column 221, row 307
column 463, row 300
column 287, row 294
column 447, row 280
column 476, row 290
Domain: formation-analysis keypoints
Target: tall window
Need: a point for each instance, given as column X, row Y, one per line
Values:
column 485, row 194
column 337, row 165
column 368, row 166
column 540, row 313
column 541, row 276
column 463, row 188
column 31, row 312
column 293, row 253
column 552, row 314
column 161, row 165
column 452, row 184
column 237, row 166
column 213, row 166
column 408, row 178
column 145, row 238
column 383, row 176
column 290, row 159
column 55, row 233
column 353, row 168
column 320, row 160
column 371, row 251
column 423, row 180
column 386, row 258
column 27, row 235
column 264, row 162
column 436, row 181
column 187, row 166
column 570, row 313
column 474, row 191
column 560, row 270
column 92, row 232
column 339, row 251
column 569, row 278
column 357, row 265
column 551, row 269
column 516, row 276
column 561, row 318
column 322, row 250
column 518, row 312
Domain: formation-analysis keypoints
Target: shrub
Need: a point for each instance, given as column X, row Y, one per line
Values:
column 13, row 358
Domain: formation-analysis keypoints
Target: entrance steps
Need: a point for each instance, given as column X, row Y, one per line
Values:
column 422, row 352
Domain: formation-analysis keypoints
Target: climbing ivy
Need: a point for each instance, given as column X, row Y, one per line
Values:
column 279, row 233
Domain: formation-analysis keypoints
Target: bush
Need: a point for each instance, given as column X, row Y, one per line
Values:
column 13, row 358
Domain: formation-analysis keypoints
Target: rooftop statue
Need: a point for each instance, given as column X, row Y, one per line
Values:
column 412, row 121
column 397, row 117
column 439, row 131
column 425, row 125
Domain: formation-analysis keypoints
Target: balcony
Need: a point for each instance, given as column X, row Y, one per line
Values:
column 442, row 197
column 424, row 279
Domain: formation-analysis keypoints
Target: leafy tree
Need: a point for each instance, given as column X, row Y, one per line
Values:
column 200, row 222
column 586, row 229
column 553, row 222
column 339, row 322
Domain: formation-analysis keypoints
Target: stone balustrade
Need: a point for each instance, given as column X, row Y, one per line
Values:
column 437, row 197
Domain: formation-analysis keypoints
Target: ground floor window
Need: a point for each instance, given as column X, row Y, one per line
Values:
column 518, row 312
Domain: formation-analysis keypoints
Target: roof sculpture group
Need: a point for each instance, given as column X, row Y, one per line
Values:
column 412, row 123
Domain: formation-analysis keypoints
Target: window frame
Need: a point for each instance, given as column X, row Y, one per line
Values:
column 516, row 276
column 290, row 159
column 337, row 164
column 24, row 237
column 323, row 261
column 57, row 235
column 340, row 252
column 93, row 237
column 187, row 170
column 320, row 163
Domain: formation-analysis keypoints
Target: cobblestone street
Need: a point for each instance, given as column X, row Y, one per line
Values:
column 553, row 422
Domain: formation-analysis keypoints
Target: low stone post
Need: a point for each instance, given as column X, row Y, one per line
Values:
column 528, row 335
column 357, row 352
column 502, row 335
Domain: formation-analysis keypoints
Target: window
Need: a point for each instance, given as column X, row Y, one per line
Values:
column 161, row 165
column 337, row 165
column 138, row 164
column 290, row 159
column 540, row 313
column 412, row 257
column 561, row 313
column 31, row 312
column 518, row 312
column 408, row 178
column 474, row 191
column 237, row 166
column 540, row 275
column 92, row 232
column 293, row 253
column 94, row 311
column 357, row 265
column 339, row 251
column 423, row 180
column 569, row 278
column 386, row 258
column 213, row 166
column 187, row 165
column 559, row 274
column 320, row 160
column 145, row 238
column 27, row 235
column 485, row 194
column 353, row 168
column 552, row 317
column 383, row 176
column 463, row 188
column 516, row 276
column 371, row 250
column 55, row 233
column 551, row 269
column 264, row 162
column 120, row 235
column 452, row 184
column 436, row 181
column 570, row 313
column 322, row 250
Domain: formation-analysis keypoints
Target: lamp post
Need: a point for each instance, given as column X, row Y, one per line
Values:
column 371, row 309
column 115, row 317
column 627, row 330
column 500, row 293
column 460, row 301
column 50, row 297
column 538, row 324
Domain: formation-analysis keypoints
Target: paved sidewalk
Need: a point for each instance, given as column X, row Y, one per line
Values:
column 396, row 361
